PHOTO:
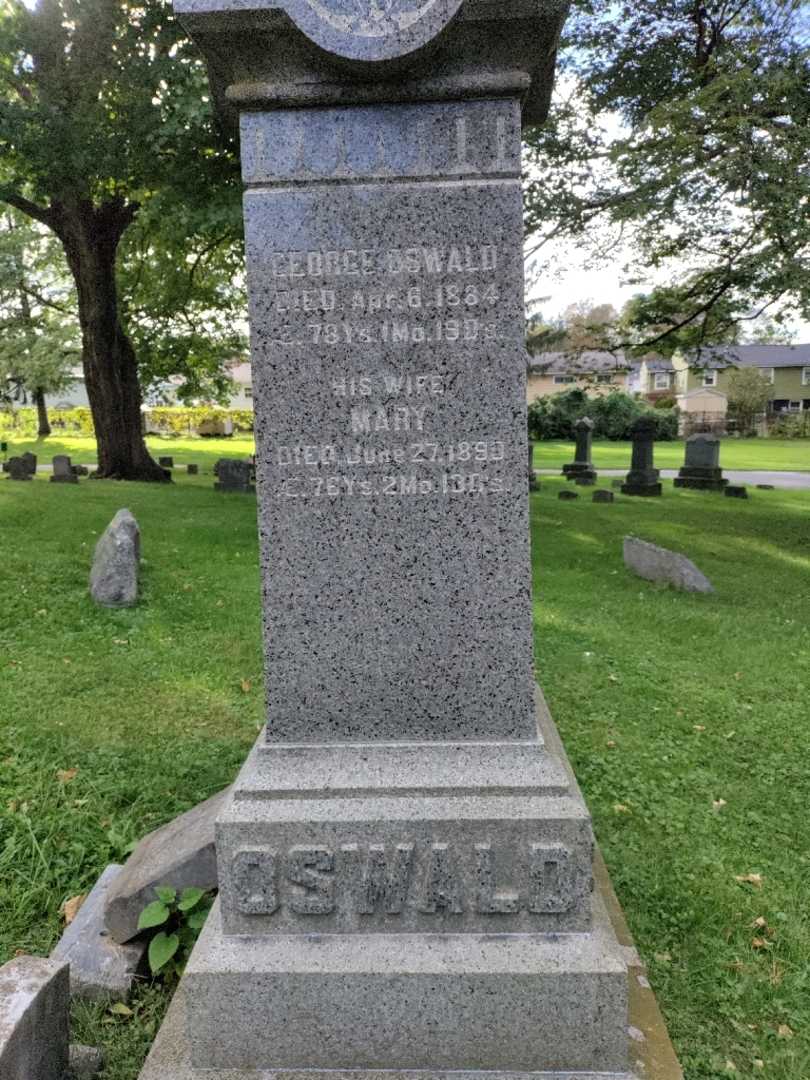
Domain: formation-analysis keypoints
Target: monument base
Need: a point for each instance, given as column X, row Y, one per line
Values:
column 579, row 469
column 700, row 479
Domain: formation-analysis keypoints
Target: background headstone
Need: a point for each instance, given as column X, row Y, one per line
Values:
column 736, row 491
column 602, row 496
column 63, row 471
column 643, row 477
column 582, row 465
column 166, row 462
column 233, row 475
column 116, row 561
column 18, row 469
column 192, row 470
column 30, row 461
column 567, row 495
column 701, row 467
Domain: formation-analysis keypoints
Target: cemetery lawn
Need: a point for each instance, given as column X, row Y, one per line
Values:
column 791, row 455
column 780, row 455
column 685, row 716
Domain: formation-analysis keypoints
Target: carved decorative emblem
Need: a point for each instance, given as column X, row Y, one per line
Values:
column 372, row 18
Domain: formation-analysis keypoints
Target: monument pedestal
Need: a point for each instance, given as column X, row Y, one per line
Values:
column 405, row 870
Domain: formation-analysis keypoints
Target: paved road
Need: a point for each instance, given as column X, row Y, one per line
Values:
column 778, row 479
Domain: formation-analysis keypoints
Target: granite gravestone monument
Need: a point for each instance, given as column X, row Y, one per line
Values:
column 405, row 869
column 63, row 471
column 643, row 476
column 581, row 468
column 701, row 467
column 232, row 475
column 18, row 469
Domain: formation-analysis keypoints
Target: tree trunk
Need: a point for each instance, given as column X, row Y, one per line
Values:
column 90, row 235
column 43, row 426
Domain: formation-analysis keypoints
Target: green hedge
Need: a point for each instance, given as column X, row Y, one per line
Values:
column 613, row 414
column 789, row 425
column 168, row 420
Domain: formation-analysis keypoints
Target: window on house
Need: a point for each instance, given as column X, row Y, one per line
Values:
column 806, row 376
column 710, row 378
column 794, row 406
column 767, row 373
column 661, row 380
column 248, row 391
column 604, row 378
column 560, row 379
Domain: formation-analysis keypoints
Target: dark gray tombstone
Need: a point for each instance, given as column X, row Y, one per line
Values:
column 166, row 462
column 616, row 482
column 534, row 483
column 18, row 469
column 603, row 496
column 404, row 866
column 233, row 475
column 582, row 465
column 643, row 477
column 765, row 487
column 584, row 480
column 81, row 470
column 701, row 467
column 30, row 461
column 736, row 491
column 63, row 471
column 192, row 470
column 567, row 495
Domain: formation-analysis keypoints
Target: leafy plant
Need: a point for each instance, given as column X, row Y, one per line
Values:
column 178, row 922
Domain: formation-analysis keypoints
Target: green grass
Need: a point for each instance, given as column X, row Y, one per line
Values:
column 82, row 449
column 792, row 455
column 667, row 703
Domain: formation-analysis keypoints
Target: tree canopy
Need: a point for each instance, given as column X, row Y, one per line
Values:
column 104, row 120
column 681, row 131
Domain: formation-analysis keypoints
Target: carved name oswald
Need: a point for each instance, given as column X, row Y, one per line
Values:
column 397, row 879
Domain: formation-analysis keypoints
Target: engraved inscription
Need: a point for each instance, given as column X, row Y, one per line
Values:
column 432, row 879
column 372, row 302
column 372, row 18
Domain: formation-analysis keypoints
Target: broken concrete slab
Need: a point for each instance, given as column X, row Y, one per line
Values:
column 34, row 1019
column 180, row 854
column 99, row 966
column 668, row 567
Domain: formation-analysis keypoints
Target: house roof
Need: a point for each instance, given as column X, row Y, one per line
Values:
column 588, row 362
column 767, row 356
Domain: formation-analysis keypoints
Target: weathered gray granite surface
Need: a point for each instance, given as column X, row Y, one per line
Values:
column 99, row 966
column 180, row 854
column 116, row 561
column 34, row 1019
column 405, row 870
column 667, row 567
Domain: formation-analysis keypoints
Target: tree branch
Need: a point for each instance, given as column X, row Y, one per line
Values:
column 25, row 206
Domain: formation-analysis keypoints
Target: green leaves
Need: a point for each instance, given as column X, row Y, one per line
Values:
column 162, row 948
column 181, row 919
column 154, row 914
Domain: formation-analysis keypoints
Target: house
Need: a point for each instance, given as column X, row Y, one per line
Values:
column 592, row 371
column 656, row 378
column 702, row 385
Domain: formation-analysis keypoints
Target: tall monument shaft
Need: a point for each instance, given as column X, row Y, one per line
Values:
column 405, row 870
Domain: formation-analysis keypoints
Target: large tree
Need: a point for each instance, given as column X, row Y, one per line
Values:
column 103, row 110
column 681, row 133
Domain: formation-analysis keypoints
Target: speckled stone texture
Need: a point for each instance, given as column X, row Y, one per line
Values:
column 667, row 567
column 405, row 870
column 388, row 381
column 34, row 1024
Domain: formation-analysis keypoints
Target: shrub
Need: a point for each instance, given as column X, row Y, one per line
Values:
column 554, row 416
column 790, row 425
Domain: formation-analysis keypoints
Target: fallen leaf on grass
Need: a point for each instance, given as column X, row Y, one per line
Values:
column 759, row 923
column 760, row 943
column 120, row 1009
column 70, row 908
column 699, row 727
column 718, row 804
column 749, row 879
column 611, row 743
column 730, row 1066
column 120, row 641
column 758, row 1063
column 784, row 1032
column 245, row 685
column 64, row 776
column 662, row 958
column 12, row 805
column 620, row 808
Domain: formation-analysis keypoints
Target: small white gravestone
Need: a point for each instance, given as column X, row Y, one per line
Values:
column 659, row 564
